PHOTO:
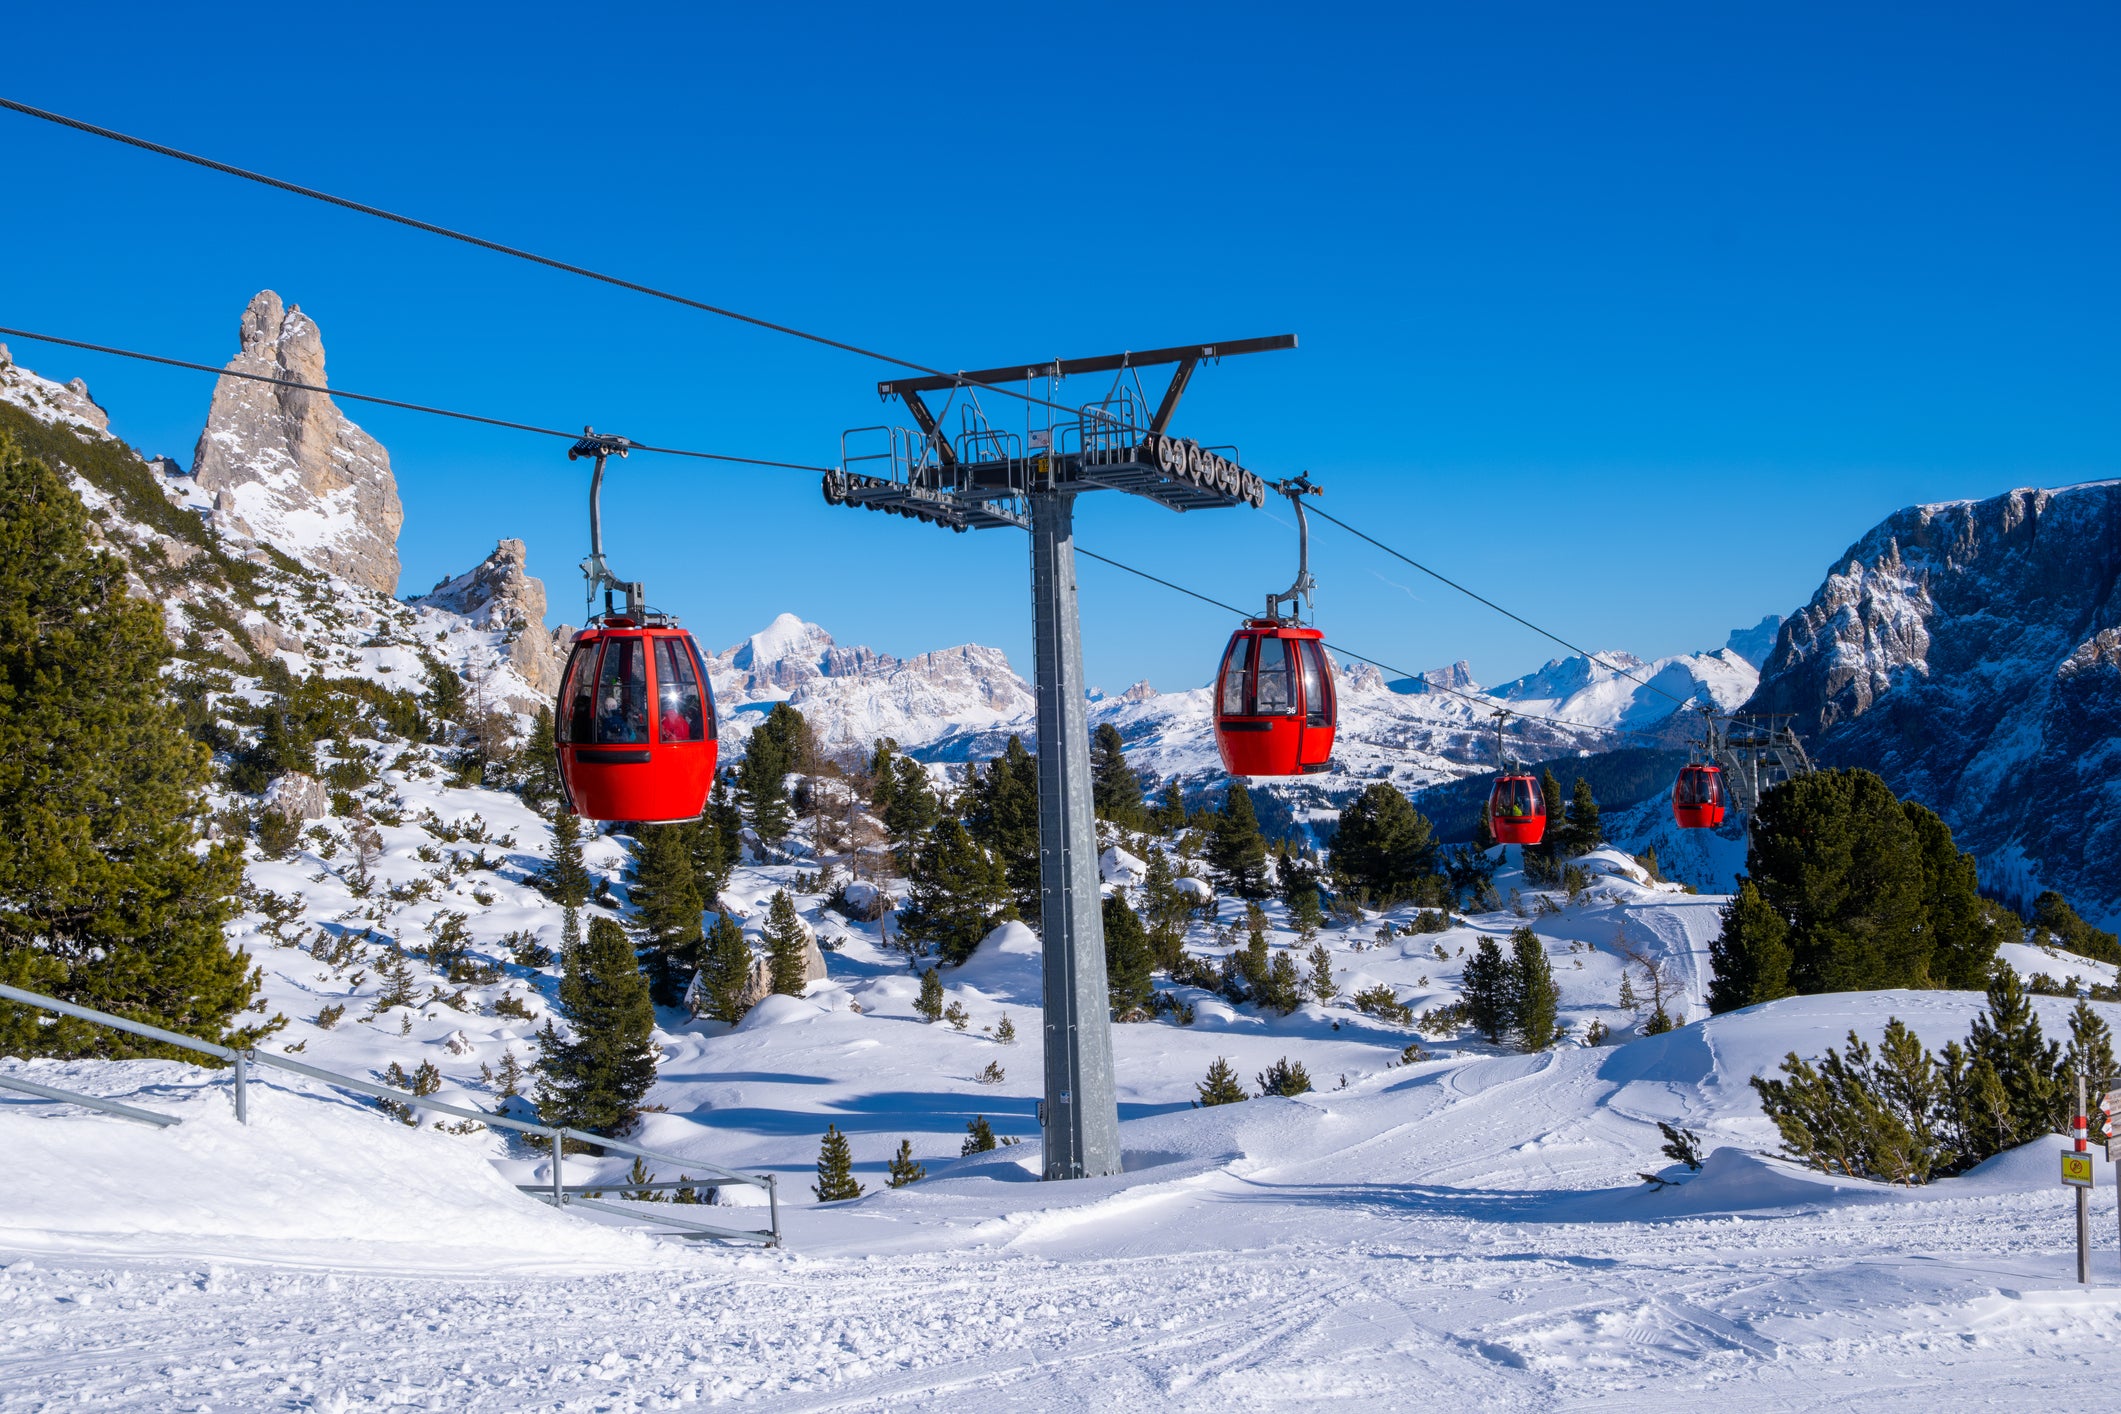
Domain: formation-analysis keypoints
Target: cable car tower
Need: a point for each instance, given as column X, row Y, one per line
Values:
column 983, row 478
column 1757, row 753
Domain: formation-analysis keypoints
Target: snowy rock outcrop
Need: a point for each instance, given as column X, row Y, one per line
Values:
column 286, row 467
column 500, row 593
column 298, row 797
column 1970, row 652
column 62, row 403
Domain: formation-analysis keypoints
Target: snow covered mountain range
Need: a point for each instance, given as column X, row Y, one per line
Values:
column 1968, row 651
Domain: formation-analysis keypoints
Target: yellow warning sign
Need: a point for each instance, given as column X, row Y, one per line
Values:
column 2077, row 1169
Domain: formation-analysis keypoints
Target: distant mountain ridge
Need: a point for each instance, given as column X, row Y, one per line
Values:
column 1970, row 652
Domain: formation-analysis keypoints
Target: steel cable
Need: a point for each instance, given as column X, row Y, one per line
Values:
column 391, row 402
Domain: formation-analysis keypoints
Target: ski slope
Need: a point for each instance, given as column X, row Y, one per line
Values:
column 1469, row 1228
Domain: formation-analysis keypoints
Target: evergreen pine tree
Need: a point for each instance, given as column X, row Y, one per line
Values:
column 2027, row 1065
column 1298, row 878
column 1322, row 974
column 1253, row 960
column 726, row 814
column 1005, row 1031
column 1835, row 857
column 727, row 972
column 1484, row 988
column 785, row 946
column 1535, row 1002
column 979, row 1137
column 1004, row 820
column 761, row 790
column 1164, row 909
column 1384, row 846
column 1128, row 961
column 905, row 1168
column 959, row 893
column 835, row 1169
column 597, row 1080
column 1236, row 849
column 1552, row 846
column 105, row 900
column 1114, row 786
column 1959, row 930
column 2090, row 1054
column 566, row 877
column 2053, row 917
column 1750, row 959
column 1284, row 1077
column 667, row 906
column 930, row 1003
column 1169, row 816
column 1584, row 831
column 910, row 810
column 1285, row 988
column 1483, row 831
column 1221, row 1087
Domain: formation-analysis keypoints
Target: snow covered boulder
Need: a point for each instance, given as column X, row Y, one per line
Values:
column 1198, row 891
column 298, row 797
column 1119, row 867
column 1009, row 963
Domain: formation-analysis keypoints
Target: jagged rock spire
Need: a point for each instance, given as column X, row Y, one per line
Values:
column 287, row 468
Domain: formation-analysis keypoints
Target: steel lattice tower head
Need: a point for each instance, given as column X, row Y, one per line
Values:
column 983, row 478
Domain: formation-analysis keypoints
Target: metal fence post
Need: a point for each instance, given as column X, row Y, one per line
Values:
column 559, row 1194
column 773, row 1205
column 242, row 1087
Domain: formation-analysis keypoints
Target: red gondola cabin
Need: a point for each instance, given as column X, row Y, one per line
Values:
column 1697, row 798
column 1517, row 810
column 635, row 724
column 1274, row 705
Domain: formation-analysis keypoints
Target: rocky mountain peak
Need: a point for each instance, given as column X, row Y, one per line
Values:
column 1970, row 652
column 500, row 593
column 286, row 467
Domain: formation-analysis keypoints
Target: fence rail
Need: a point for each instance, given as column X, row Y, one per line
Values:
column 242, row 1060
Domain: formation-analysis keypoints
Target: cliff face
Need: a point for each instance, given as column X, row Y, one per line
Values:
column 1970, row 653
column 287, row 468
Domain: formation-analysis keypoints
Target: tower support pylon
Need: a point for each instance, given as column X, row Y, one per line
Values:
column 1080, row 1118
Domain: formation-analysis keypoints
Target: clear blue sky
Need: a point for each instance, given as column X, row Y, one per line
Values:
column 1631, row 316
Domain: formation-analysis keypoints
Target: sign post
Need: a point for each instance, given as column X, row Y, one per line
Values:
column 2077, row 1171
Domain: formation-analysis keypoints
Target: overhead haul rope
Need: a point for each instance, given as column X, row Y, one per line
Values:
column 1482, row 701
column 279, row 184
column 1483, row 599
column 390, row 402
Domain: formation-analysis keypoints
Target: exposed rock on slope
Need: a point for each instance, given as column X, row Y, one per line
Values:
column 63, row 403
column 285, row 466
column 500, row 593
column 1970, row 652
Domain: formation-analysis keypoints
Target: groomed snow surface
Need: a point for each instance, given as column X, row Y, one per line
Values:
column 1471, row 1228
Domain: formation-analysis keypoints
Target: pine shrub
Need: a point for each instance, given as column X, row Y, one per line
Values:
column 1284, row 1077
column 930, row 1002
column 905, row 1168
column 786, row 946
column 725, row 974
column 835, row 1169
column 979, row 1137
column 1220, row 1087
